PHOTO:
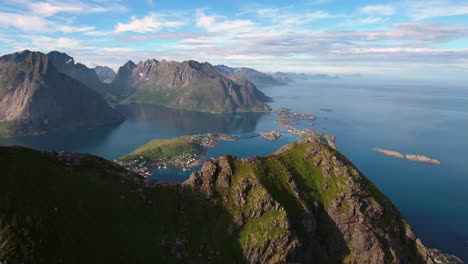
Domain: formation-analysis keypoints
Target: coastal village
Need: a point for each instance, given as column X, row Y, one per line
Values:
column 145, row 166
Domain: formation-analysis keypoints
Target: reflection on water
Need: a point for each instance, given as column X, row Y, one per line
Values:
column 193, row 122
column 144, row 123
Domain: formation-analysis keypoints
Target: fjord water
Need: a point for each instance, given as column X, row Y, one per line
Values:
column 420, row 119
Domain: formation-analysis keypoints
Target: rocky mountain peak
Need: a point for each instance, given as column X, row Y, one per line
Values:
column 61, row 59
column 34, row 62
column 35, row 97
column 80, row 72
column 189, row 85
column 105, row 73
column 129, row 65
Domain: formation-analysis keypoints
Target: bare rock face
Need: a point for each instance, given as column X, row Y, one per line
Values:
column 36, row 98
column 265, row 234
column 186, row 85
column 307, row 204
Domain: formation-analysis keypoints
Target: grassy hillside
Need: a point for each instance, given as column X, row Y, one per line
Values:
column 52, row 212
column 165, row 148
column 304, row 204
column 6, row 128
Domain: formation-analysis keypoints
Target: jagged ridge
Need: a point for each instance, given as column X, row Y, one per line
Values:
column 306, row 204
column 186, row 85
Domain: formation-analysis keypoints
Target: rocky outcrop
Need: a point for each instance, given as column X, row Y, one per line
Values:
column 36, row 98
column 186, row 85
column 105, row 74
column 252, row 75
column 308, row 204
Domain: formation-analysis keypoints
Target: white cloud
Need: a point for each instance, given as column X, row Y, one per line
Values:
column 150, row 23
column 71, row 29
column 386, row 10
column 34, row 23
column 24, row 22
column 46, row 44
column 52, row 7
column 420, row 10
column 213, row 23
column 289, row 18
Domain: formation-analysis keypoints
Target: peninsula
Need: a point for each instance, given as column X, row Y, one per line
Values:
column 183, row 153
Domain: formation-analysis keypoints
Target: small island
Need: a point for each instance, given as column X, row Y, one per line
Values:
column 287, row 119
column 412, row 157
column 285, row 114
column 272, row 135
column 390, row 153
column 420, row 158
column 183, row 153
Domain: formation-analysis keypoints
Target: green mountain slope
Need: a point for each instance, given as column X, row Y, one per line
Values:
column 304, row 204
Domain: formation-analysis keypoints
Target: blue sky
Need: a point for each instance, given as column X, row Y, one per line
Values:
column 398, row 39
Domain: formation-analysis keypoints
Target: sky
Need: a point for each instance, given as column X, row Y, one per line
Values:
column 407, row 39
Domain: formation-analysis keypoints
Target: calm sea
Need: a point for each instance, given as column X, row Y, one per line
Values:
column 419, row 119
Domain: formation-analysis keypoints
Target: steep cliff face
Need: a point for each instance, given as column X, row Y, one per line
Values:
column 252, row 75
column 186, row 85
column 304, row 204
column 36, row 98
column 65, row 64
column 308, row 204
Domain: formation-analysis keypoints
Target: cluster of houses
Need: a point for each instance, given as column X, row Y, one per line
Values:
column 141, row 165
column 207, row 140
column 145, row 166
column 286, row 114
column 183, row 161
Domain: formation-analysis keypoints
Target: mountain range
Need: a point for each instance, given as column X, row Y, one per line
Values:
column 305, row 203
column 35, row 97
column 46, row 92
column 188, row 85
column 66, row 65
column 252, row 75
